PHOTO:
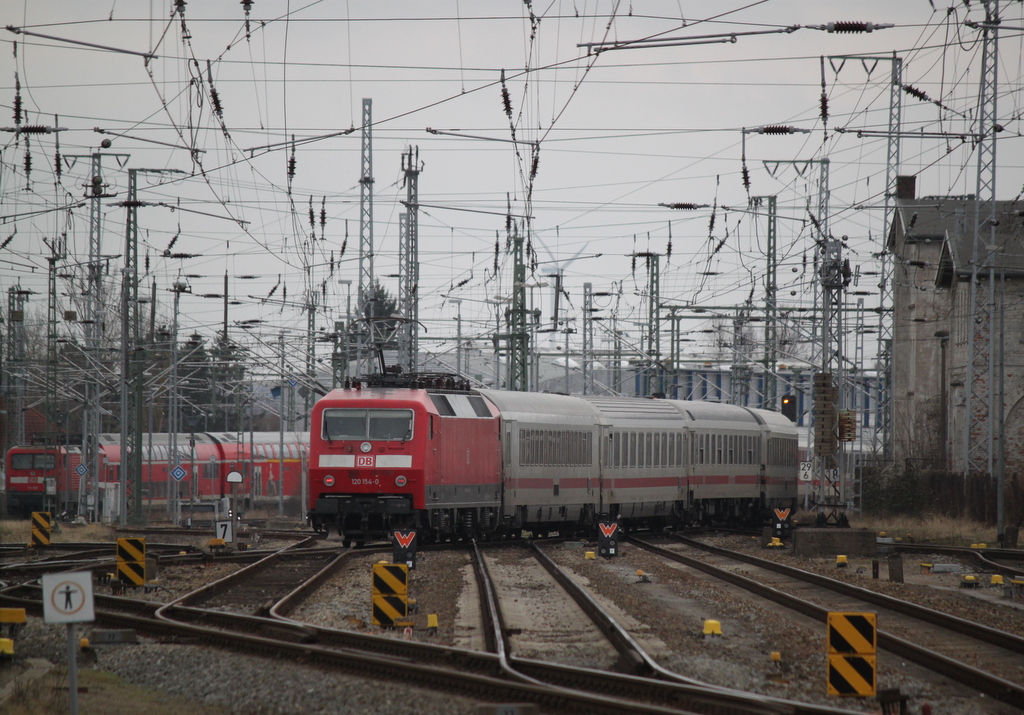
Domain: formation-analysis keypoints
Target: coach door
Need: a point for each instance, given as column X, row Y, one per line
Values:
column 509, row 465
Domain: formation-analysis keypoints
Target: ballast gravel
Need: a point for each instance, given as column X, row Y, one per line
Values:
column 672, row 603
column 243, row 683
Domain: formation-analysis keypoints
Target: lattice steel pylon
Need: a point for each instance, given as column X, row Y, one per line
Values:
column 769, row 361
column 518, row 336
column 132, row 358
column 131, row 369
column 883, row 432
column 16, row 297
column 409, row 264
column 652, row 344
column 366, row 279
column 979, row 448
column 588, row 339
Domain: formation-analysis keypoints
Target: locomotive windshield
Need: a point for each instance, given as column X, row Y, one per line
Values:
column 367, row 424
column 32, row 461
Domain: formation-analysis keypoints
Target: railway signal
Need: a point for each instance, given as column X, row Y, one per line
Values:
column 608, row 538
column 789, row 406
column 404, row 545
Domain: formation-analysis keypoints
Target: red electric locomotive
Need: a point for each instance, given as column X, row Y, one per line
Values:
column 383, row 458
column 41, row 479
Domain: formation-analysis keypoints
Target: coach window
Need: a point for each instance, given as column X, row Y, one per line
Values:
column 632, row 449
column 616, row 450
column 657, row 450
column 718, row 449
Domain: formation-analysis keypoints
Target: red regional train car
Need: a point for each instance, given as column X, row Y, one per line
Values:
column 207, row 460
column 461, row 463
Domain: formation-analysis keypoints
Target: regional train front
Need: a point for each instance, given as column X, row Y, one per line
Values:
column 368, row 452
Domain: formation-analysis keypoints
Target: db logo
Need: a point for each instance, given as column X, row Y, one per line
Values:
column 364, row 460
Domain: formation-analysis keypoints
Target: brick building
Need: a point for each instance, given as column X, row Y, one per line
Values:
column 932, row 241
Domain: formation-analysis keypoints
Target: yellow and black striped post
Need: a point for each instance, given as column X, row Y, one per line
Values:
column 41, row 528
column 852, row 645
column 390, row 599
column 131, row 561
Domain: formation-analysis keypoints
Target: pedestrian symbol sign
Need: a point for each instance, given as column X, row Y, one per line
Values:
column 178, row 473
column 67, row 597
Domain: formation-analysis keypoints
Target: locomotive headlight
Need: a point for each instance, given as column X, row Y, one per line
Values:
column 401, row 481
column 329, row 481
column 365, row 447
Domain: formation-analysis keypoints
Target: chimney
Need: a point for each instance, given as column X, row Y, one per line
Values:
column 906, row 187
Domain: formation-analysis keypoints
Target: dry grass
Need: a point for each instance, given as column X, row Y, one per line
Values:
column 932, row 529
column 100, row 693
column 19, row 531
column 38, row 696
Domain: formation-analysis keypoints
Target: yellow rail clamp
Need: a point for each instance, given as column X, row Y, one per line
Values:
column 882, row 534
column 590, row 555
column 776, row 543
column 712, row 628
column 217, row 544
column 6, row 647
column 431, row 623
column 852, row 632
column 41, row 521
column 776, row 656
column 974, row 546
column 841, row 562
column 851, row 675
column 969, row 582
column 389, row 610
column 997, row 580
column 983, row 546
column 12, row 615
column 926, row 568
column 84, row 644
column 390, row 579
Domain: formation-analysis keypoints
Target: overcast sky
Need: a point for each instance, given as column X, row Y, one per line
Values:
column 617, row 133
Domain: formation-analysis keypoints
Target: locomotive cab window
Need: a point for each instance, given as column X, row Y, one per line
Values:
column 32, row 461
column 379, row 425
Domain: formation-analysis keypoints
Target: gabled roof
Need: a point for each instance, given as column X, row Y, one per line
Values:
column 951, row 221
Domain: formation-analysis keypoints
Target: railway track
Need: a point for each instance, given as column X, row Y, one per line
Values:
column 447, row 670
column 259, row 586
column 1002, row 561
column 555, row 688
column 964, row 651
column 673, row 690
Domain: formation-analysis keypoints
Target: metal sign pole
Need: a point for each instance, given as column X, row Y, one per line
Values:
column 72, row 669
column 67, row 598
